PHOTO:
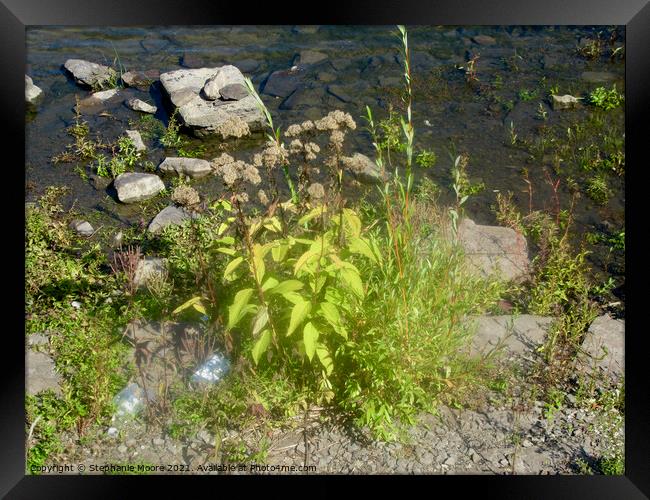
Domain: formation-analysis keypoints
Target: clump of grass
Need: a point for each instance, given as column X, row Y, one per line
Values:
column 598, row 189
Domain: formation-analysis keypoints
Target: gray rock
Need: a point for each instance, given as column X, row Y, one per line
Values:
column 83, row 228
column 225, row 76
column 304, row 97
column 309, row 57
column 139, row 105
column 363, row 168
column 32, row 92
column 99, row 182
column 518, row 335
column 135, row 136
column 599, row 76
column 339, row 92
column 324, row 76
column 484, row 40
column 140, row 79
column 97, row 100
column 192, row 167
column 283, row 83
column 133, row 187
column 604, row 346
column 38, row 339
column 233, row 92
column 247, row 65
column 167, row 216
column 41, row 374
column 564, row 101
column 494, row 250
column 89, row 74
column 149, row 268
column 202, row 116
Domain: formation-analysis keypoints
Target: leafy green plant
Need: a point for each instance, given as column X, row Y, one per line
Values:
column 426, row 158
column 171, row 137
column 606, row 99
column 528, row 95
column 598, row 189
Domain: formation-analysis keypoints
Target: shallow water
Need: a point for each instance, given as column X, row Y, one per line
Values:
column 363, row 62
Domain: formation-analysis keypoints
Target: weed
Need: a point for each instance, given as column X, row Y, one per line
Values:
column 528, row 95
column 598, row 189
column 606, row 99
column 426, row 158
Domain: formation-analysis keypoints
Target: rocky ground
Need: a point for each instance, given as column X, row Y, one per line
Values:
column 505, row 431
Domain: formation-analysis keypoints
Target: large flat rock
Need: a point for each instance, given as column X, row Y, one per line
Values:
column 132, row 187
column 204, row 115
column 168, row 216
column 41, row 373
column 494, row 250
column 89, row 74
column 519, row 335
column 603, row 348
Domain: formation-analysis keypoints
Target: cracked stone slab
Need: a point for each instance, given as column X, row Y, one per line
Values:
column 494, row 250
column 519, row 335
column 604, row 346
column 170, row 215
column 41, row 373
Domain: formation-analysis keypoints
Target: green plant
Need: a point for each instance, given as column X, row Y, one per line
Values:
column 171, row 137
column 426, row 158
column 606, row 99
column 528, row 95
column 612, row 466
column 542, row 114
column 598, row 189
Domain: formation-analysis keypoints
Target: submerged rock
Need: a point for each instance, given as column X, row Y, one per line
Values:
column 135, row 136
column 599, row 76
column 170, row 215
column 494, row 250
column 309, row 57
column 484, row 40
column 203, row 116
column 564, row 101
column 89, row 74
column 192, row 167
column 140, row 79
column 96, row 100
column 283, row 83
column 133, row 187
column 32, row 92
column 140, row 105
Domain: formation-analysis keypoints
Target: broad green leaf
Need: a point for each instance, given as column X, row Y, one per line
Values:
column 287, row 286
column 317, row 283
column 261, row 345
column 235, row 311
column 361, row 246
column 293, row 297
column 269, row 284
column 351, row 222
column 325, row 358
column 226, row 240
column 189, row 303
column 303, row 259
column 260, row 268
column 222, row 228
column 310, row 337
column 279, row 252
column 260, row 320
column 199, row 307
column 331, row 314
column 353, row 280
column 298, row 314
column 226, row 250
column 313, row 213
column 273, row 224
column 230, row 268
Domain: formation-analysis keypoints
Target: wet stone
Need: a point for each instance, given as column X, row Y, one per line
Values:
column 89, row 74
column 83, row 228
column 32, row 92
column 192, row 167
column 139, row 105
column 169, row 216
column 133, row 187
column 135, row 136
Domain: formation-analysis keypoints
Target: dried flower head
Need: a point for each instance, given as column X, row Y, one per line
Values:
column 311, row 149
column 241, row 197
column 273, row 155
column 185, row 196
column 250, row 174
column 228, row 172
column 261, row 195
column 336, row 139
column 336, row 120
column 233, row 126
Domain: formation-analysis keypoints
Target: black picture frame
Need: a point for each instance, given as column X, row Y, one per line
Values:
column 16, row 15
